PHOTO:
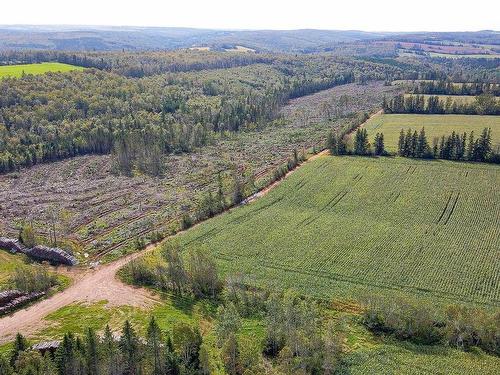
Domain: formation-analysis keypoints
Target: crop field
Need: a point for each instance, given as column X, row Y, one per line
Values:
column 346, row 226
column 19, row 70
column 102, row 214
column 435, row 126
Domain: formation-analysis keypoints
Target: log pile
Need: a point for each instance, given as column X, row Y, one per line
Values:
column 39, row 252
column 13, row 299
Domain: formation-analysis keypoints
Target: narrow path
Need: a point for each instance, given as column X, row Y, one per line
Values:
column 95, row 285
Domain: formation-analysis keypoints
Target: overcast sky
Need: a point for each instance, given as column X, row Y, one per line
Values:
column 369, row 15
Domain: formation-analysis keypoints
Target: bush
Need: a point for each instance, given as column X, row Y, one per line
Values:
column 404, row 320
column 33, row 279
column 141, row 273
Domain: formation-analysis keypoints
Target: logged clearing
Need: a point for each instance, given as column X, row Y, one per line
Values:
column 435, row 126
column 103, row 214
column 347, row 226
column 19, row 70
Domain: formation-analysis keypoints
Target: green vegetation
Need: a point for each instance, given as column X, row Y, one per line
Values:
column 435, row 126
column 344, row 226
column 459, row 99
column 8, row 265
column 41, row 68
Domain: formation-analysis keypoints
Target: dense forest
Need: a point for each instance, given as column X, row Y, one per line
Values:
column 59, row 115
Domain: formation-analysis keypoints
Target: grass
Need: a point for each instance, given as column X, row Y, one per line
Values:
column 345, row 227
column 435, row 126
column 42, row 68
column 404, row 358
column 8, row 264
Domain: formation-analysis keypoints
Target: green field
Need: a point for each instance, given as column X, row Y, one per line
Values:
column 343, row 227
column 19, row 70
column 435, row 126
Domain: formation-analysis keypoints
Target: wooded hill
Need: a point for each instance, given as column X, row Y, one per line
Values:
column 55, row 116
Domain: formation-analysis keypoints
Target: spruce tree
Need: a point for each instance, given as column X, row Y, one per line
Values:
column 154, row 339
column 130, row 347
column 20, row 345
column 379, row 144
column 91, row 352
column 401, row 143
column 171, row 359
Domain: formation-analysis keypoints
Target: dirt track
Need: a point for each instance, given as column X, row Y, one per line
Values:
column 88, row 286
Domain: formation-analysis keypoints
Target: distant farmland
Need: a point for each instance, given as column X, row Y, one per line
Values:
column 435, row 126
column 18, row 70
column 347, row 226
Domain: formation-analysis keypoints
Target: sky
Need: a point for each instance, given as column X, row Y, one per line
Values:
column 367, row 15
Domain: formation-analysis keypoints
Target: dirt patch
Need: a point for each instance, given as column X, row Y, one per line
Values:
column 91, row 285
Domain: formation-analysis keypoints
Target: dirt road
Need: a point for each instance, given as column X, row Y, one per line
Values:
column 88, row 286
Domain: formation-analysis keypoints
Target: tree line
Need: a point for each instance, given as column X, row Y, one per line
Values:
column 457, row 326
column 296, row 339
column 484, row 104
column 413, row 144
column 442, row 87
column 455, row 146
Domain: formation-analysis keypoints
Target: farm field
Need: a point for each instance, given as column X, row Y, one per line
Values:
column 18, row 70
column 344, row 227
column 103, row 214
column 435, row 126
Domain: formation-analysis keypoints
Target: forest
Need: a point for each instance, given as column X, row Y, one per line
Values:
column 60, row 115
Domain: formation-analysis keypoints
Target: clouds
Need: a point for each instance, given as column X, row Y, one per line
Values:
column 386, row 15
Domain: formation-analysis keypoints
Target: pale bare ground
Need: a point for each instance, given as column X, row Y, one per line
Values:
column 91, row 285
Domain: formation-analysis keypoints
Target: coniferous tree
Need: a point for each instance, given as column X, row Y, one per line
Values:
column 379, row 144
column 470, row 147
column 20, row 345
column 91, row 352
column 361, row 145
column 130, row 347
column 65, row 356
column 171, row 359
column 401, row 143
column 110, row 354
column 154, row 340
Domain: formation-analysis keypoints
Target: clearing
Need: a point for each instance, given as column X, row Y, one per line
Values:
column 103, row 214
column 19, row 70
column 435, row 126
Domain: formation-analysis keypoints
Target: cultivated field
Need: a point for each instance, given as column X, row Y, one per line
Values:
column 347, row 226
column 435, row 126
column 102, row 214
column 19, row 70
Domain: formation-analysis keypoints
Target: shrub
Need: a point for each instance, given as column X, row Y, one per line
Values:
column 33, row 279
column 141, row 273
